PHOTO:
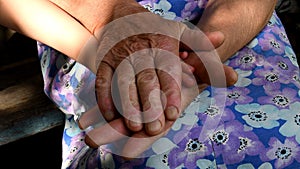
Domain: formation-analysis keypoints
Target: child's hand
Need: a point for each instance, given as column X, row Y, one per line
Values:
column 195, row 59
column 126, row 47
column 201, row 74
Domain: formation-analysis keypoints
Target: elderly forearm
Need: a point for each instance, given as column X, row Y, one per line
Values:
column 239, row 20
column 45, row 22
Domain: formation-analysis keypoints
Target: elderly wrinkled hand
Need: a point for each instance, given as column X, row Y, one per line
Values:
column 139, row 77
column 143, row 58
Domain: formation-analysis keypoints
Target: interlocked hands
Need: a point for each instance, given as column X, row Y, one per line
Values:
column 142, row 85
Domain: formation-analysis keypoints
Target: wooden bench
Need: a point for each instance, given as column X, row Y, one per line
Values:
column 24, row 108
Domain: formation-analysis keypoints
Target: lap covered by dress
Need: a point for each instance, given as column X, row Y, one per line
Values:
column 256, row 126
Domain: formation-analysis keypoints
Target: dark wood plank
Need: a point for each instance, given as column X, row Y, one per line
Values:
column 24, row 108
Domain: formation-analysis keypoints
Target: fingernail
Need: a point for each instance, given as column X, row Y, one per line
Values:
column 192, row 69
column 109, row 115
column 78, row 121
column 79, row 125
column 90, row 142
column 172, row 113
column 233, row 77
column 135, row 122
column 154, row 127
column 189, row 81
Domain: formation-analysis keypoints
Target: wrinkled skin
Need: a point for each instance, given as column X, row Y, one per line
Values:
column 143, row 58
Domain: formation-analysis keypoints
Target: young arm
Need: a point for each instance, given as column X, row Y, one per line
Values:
column 45, row 22
column 239, row 20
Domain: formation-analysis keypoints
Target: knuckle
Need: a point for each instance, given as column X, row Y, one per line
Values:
column 171, row 87
column 102, row 81
column 169, row 69
column 139, row 42
column 167, row 43
column 120, row 51
column 125, row 80
column 135, row 103
column 147, row 76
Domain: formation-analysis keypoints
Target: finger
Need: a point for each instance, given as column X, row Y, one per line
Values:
column 170, row 75
column 107, row 133
column 186, row 68
column 210, row 70
column 216, row 38
column 150, row 96
column 188, row 78
column 183, row 54
column 90, row 118
column 103, row 91
column 129, row 96
column 149, row 91
column 139, row 142
column 196, row 40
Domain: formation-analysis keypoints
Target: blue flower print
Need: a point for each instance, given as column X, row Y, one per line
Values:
column 238, row 95
column 243, row 81
column 71, row 129
column 292, row 125
column 77, row 147
column 282, row 65
column 201, row 102
column 269, row 79
column 213, row 115
column 252, row 43
column 186, row 118
column 190, row 148
column 270, row 42
column 284, row 154
column 289, row 53
column 273, row 21
column 45, row 62
column 201, row 3
column 280, row 32
column 225, row 140
column 207, row 164
column 187, row 13
column 162, row 8
column 106, row 158
column 148, row 4
column 246, row 59
column 250, row 145
column 296, row 79
column 158, row 161
column 265, row 165
column 163, row 145
column 237, row 142
column 258, row 116
column 281, row 99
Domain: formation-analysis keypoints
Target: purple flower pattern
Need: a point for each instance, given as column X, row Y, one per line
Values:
column 284, row 154
column 246, row 59
column 218, row 135
column 238, row 95
column 249, row 143
column 190, row 148
column 270, row 42
column 281, row 99
column 269, row 79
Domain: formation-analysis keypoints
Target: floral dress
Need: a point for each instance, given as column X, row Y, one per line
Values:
column 259, row 126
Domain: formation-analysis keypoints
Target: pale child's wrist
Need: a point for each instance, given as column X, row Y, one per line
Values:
column 88, row 54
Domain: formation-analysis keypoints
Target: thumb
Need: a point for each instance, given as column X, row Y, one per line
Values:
column 193, row 40
column 216, row 38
